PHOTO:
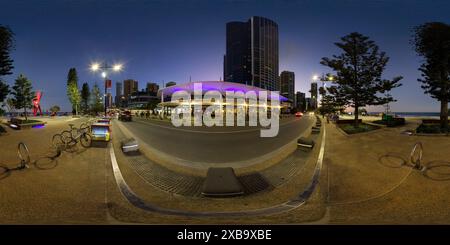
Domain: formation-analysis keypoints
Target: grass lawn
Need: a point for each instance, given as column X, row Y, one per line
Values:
column 431, row 129
column 362, row 127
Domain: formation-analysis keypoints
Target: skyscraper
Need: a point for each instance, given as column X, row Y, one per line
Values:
column 287, row 82
column 308, row 105
column 118, row 98
column 152, row 88
column 313, row 95
column 252, row 53
column 300, row 101
column 129, row 86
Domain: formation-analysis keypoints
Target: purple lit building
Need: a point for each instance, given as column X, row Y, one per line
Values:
column 165, row 94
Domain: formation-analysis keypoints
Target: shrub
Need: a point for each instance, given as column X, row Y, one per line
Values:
column 351, row 129
column 398, row 121
column 431, row 129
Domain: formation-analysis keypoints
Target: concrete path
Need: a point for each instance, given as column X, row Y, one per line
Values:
column 361, row 181
column 366, row 179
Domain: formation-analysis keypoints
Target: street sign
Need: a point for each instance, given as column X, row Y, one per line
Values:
column 108, row 83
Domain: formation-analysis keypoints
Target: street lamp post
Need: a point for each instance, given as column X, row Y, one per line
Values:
column 324, row 79
column 313, row 96
column 104, row 68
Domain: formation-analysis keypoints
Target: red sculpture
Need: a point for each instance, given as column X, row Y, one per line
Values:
column 36, row 103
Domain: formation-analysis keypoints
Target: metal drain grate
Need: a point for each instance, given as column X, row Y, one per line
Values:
column 166, row 179
column 254, row 183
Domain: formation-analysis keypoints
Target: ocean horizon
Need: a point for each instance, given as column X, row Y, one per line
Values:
column 411, row 114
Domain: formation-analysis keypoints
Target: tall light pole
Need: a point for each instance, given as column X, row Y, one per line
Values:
column 314, row 93
column 104, row 68
column 324, row 79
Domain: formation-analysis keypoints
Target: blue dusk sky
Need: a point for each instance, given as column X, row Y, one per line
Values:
column 173, row 40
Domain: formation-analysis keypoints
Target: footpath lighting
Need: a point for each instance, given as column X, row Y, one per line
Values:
column 315, row 77
column 95, row 66
column 117, row 67
column 104, row 68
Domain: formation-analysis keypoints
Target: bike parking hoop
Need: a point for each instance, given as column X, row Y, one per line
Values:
column 416, row 156
column 396, row 160
column 438, row 170
column 24, row 155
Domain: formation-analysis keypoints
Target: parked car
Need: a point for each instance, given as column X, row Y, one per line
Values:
column 125, row 116
column 104, row 121
column 101, row 131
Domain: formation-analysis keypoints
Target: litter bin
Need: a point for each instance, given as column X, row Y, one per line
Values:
column 129, row 145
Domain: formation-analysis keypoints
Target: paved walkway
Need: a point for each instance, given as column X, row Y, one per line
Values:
column 69, row 190
column 365, row 178
column 362, row 182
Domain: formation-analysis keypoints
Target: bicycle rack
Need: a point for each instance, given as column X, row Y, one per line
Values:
column 24, row 160
column 416, row 157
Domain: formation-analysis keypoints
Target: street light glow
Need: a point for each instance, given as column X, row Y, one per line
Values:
column 104, row 74
column 315, row 78
column 95, row 66
column 117, row 67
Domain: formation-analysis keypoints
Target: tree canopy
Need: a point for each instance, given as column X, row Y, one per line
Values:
column 55, row 109
column 85, row 94
column 23, row 94
column 6, row 62
column 432, row 42
column 6, row 46
column 358, row 71
column 4, row 91
column 96, row 100
column 72, row 89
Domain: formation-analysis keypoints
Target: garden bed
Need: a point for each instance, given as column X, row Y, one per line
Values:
column 431, row 129
column 391, row 123
column 362, row 128
column 30, row 121
column 21, row 123
column 347, row 121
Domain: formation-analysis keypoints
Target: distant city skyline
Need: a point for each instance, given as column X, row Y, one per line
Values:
column 161, row 41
